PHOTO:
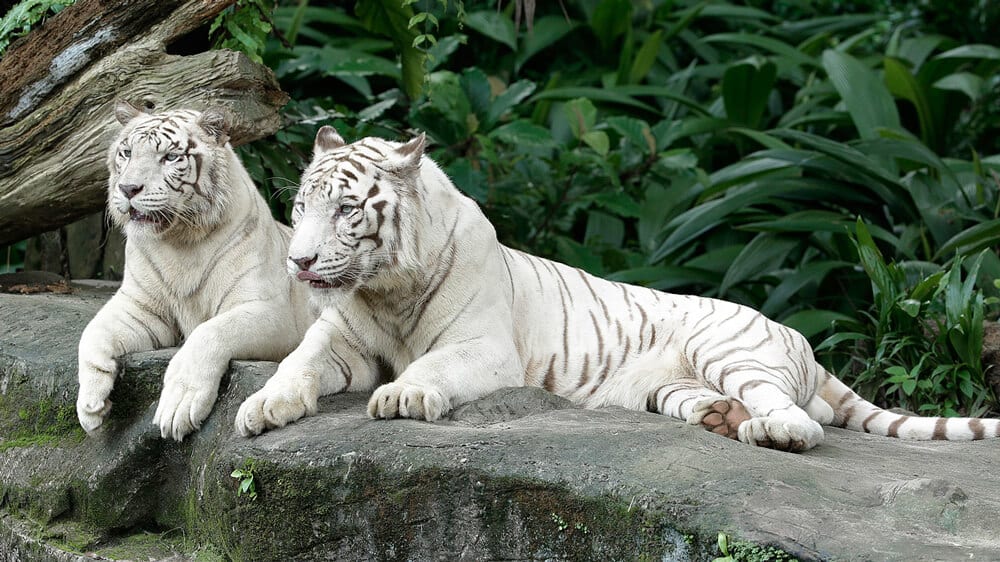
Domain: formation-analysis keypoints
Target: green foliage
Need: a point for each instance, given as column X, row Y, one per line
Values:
column 924, row 330
column 741, row 551
column 700, row 147
column 245, row 475
column 244, row 27
column 24, row 16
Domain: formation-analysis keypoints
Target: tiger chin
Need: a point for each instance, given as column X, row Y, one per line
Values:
column 412, row 276
column 204, row 267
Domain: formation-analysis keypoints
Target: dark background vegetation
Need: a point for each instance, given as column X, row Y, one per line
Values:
column 834, row 164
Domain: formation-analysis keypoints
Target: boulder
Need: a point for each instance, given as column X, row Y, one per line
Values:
column 520, row 474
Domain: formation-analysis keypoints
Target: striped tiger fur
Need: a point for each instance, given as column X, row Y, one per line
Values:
column 204, row 263
column 412, row 276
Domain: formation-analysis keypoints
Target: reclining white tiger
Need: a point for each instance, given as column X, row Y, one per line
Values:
column 204, row 261
column 414, row 277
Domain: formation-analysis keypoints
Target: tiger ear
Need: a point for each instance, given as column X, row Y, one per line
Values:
column 410, row 153
column 215, row 122
column 327, row 139
column 125, row 111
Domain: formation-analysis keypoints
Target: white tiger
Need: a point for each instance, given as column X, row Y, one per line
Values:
column 414, row 278
column 204, row 262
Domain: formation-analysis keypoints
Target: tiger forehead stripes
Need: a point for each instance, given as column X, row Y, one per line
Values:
column 459, row 315
column 165, row 173
column 349, row 196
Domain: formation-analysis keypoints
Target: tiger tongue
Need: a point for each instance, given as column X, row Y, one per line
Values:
column 308, row 276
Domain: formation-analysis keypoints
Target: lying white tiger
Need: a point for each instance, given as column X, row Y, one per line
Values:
column 204, row 261
column 414, row 277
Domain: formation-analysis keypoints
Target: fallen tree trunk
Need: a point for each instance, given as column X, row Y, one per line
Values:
column 60, row 84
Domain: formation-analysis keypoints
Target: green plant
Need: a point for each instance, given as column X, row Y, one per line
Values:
column 924, row 331
column 246, row 476
column 244, row 27
column 24, row 15
column 740, row 551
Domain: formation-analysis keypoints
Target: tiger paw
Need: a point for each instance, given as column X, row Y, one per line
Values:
column 791, row 435
column 97, row 377
column 276, row 405
column 404, row 400
column 189, row 392
column 722, row 417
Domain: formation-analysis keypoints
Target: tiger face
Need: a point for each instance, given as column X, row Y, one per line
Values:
column 348, row 210
column 163, row 181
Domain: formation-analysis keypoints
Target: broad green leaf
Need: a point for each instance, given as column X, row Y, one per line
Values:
column 812, row 273
column 910, row 306
column 604, row 229
column 665, row 277
column 645, row 57
column 635, row 130
column 598, row 140
column 983, row 235
column 546, row 31
column 888, row 186
column 866, row 97
column 610, row 19
column 775, row 46
column 595, row 94
column 829, row 24
column 975, row 51
column 522, row 132
column 965, row 82
column 764, row 254
column 678, row 159
column 746, row 86
column 744, row 171
column 576, row 254
column 495, row 25
column 761, row 138
column 477, row 88
column 902, row 83
column 836, row 339
column 581, row 114
column 813, row 322
column 730, row 11
column 509, row 98
column 693, row 223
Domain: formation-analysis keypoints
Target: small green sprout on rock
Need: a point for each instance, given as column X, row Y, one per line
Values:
column 245, row 475
column 740, row 551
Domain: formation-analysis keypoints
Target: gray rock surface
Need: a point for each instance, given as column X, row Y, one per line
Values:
column 518, row 475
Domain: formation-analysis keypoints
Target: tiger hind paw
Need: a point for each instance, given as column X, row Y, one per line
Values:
column 781, row 434
column 722, row 417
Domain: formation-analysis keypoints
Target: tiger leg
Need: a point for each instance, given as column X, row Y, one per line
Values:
column 696, row 404
column 777, row 422
column 324, row 363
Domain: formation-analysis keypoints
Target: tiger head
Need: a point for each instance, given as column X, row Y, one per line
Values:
column 168, row 172
column 350, row 211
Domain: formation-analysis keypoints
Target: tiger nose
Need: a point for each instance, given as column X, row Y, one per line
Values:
column 303, row 263
column 130, row 190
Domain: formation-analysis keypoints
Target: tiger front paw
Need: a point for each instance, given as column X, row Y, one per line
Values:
column 190, row 388
column 406, row 400
column 97, row 374
column 279, row 403
column 792, row 435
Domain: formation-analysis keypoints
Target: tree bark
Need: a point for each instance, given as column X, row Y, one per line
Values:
column 60, row 84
